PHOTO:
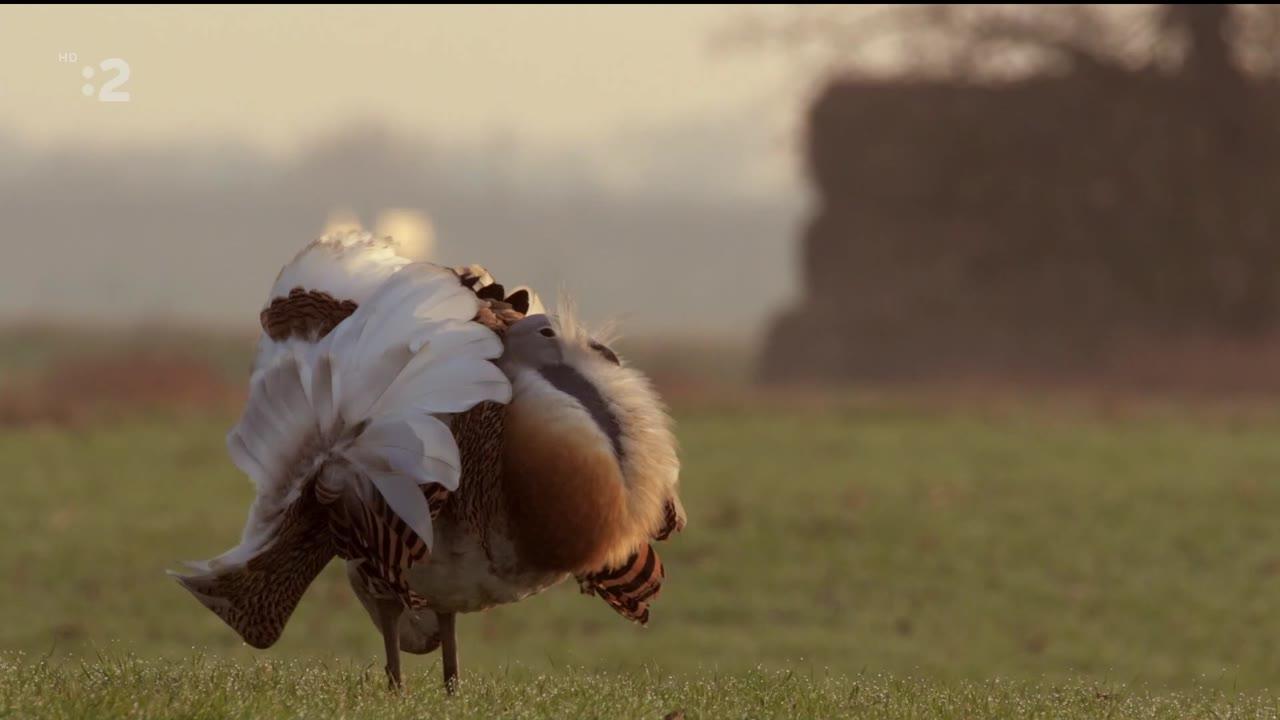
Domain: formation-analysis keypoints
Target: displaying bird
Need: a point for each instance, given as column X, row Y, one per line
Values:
column 456, row 446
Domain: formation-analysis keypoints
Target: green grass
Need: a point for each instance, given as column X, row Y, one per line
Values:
column 869, row 558
column 200, row 687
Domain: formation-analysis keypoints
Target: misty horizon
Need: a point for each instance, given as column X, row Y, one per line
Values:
column 194, row 232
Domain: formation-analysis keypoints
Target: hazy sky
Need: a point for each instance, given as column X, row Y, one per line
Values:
column 578, row 76
column 633, row 104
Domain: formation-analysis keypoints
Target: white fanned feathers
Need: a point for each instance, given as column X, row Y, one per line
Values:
column 348, row 266
column 370, row 401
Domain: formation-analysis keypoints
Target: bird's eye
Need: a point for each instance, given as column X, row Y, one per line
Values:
column 547, row 332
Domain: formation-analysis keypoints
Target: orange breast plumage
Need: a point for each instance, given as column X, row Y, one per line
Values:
column 564, row 485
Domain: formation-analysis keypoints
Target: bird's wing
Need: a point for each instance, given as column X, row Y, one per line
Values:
column 507, row 307
column 347, row 430
column 257, row 597
column 363, row 525
column 629, row 587
column 673, row 520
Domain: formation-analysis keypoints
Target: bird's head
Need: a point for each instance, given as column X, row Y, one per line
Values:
column 538, row 342
column 556, row 363
column 574, row 399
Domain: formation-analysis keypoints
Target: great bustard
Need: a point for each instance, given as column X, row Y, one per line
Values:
column 458, row 448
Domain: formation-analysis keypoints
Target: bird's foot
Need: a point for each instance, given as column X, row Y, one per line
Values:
column 393, row 679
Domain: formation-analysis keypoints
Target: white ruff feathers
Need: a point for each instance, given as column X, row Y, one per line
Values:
column 370, row 401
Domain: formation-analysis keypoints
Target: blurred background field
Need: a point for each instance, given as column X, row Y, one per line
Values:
column 948, row 534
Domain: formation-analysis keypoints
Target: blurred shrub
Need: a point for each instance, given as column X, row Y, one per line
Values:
column 70, row 377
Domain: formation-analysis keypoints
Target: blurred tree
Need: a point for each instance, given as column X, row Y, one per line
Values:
column 1204, row 30
column 1007, row 41
column 995, row 179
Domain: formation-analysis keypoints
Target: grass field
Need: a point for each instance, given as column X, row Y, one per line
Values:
column 200, row 687
column 869, row 557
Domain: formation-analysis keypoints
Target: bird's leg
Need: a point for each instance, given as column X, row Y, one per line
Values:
column 389, row 612
column 448, row 651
